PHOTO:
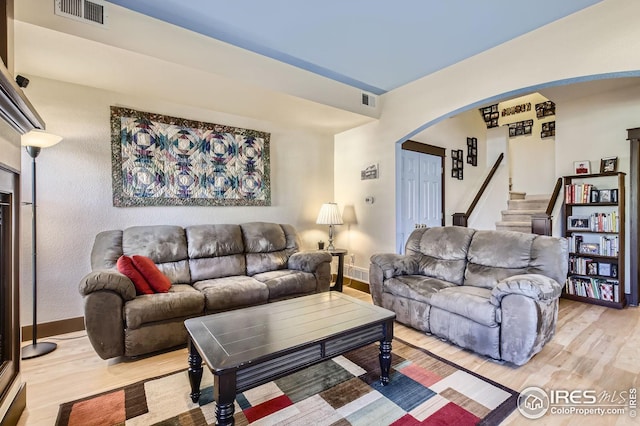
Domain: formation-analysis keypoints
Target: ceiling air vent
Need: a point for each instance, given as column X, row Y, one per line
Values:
column 368, row 100
column 92, row 12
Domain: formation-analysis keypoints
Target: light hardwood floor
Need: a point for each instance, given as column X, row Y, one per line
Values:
column 594, row 348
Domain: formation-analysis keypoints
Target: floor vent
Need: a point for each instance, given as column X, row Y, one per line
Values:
column 92, row 12
column 357, row 273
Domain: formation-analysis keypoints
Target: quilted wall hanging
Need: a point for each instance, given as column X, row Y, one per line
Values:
column 159, row 160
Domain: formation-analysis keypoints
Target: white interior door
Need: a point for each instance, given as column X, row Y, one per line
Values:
column 420, row 193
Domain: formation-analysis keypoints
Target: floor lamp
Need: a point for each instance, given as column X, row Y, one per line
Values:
column 34, row 141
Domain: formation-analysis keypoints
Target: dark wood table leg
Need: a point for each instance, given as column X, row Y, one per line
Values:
column 385, row 353
column 340, row 277
column 224, row 393
column 195, row 371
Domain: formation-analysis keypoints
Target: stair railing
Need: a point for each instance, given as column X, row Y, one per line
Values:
column 541, row 223
column 461, row 219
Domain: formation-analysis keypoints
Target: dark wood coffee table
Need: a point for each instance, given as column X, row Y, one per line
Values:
column 248, row 347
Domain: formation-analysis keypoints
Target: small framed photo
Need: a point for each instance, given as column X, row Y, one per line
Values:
column 589, row 248
column 609, row 165
column 578, row 223
column 605, row 196
column 582, row 167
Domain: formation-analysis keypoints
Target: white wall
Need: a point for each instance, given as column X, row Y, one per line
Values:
column 452, row 133
column 75, row 198
column 595, row 127
column 528, row 150
column 577, row 51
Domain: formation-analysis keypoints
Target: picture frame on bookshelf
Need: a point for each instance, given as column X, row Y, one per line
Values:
column 609, row 164
column 604, row 269
column 578, row 223
column 605, row 196
column 582, row 167
column 595, row 196
column 589, row 248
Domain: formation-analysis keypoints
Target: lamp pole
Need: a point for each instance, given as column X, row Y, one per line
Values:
column 35, row 349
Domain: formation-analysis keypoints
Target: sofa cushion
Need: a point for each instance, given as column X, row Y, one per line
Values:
column 265, row 262
column 469, row 302
column 286, row 282
column 217, row 267
column 495, row 255
column 213, row 240
column 261, row 237
column 441, row 252
column 177, row 272
column 128, row 269
column 156, row 279
column 106, row 250
column 161, row 243
column 415, row 287
column 232, row 292
column 182, row 300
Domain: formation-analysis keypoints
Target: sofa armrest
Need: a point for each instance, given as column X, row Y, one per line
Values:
column 308, row 261
column 108, row 279
column 528, row 315
column 534, row 286
column 395, row 264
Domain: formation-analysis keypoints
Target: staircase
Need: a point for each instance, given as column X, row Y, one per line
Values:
column 521, row 208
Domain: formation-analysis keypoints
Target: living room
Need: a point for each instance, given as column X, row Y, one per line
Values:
column 325, row 155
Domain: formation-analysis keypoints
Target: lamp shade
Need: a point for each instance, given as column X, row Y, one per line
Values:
column 329, row 215
column 39, row 138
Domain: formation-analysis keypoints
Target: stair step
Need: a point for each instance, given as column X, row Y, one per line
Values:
column 514, row 226
column 528, row 204
column 519, row 215
column 513, row 195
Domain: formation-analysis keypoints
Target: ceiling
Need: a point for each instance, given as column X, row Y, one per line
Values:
column 372, row 45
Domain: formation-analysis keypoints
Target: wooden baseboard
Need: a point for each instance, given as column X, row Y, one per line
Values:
column 358, row 285
column 53, row 328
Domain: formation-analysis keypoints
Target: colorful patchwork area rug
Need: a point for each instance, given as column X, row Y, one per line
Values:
column 423, row 389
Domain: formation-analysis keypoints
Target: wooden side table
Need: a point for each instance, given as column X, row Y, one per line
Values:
column 339, row 253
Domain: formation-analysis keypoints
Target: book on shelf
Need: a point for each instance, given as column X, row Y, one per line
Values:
column 595, row 288
column 584, row 193
column 607, row 245
column 588, row 266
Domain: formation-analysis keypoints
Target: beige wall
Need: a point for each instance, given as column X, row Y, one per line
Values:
column 75, row 183
column 571, row 49
column 74, row 188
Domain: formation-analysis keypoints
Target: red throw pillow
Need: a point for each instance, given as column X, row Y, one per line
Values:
column 125, row 266
column 156, row 279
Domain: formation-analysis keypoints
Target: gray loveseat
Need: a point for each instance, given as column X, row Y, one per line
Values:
column 494, row 292
column 212, row 268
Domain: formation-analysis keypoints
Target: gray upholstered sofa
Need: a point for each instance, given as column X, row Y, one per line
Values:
column 212, row 268
column 494, row 292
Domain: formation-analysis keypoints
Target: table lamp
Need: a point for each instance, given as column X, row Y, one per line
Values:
column 329, row 215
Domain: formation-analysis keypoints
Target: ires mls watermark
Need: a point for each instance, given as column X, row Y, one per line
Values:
column 535, row 402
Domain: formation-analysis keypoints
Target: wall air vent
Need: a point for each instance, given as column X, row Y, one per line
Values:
column 92, row 12
column 368, row 99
